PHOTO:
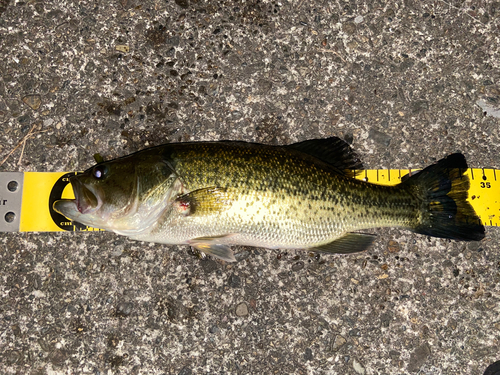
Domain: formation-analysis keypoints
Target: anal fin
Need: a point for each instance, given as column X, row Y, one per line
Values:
column 347, row 244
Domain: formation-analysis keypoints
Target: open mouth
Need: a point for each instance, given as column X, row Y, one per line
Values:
column 83, row 208
column 86, row 201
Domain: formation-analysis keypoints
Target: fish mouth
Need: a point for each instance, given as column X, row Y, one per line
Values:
column 86, row 201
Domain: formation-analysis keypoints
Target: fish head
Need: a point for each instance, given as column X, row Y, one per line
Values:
column 105, row 195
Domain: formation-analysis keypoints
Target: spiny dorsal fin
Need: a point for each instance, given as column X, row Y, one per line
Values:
column 98, row 158
column 333, row 151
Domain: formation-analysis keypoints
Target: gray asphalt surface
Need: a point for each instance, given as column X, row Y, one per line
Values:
column 401, row 80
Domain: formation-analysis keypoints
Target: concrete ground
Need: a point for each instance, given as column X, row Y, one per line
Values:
column 407, row 82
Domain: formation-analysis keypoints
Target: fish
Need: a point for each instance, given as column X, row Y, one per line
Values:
column 217, row 195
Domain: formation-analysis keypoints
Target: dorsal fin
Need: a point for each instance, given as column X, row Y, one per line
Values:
column 333, row 151
column 98, row 158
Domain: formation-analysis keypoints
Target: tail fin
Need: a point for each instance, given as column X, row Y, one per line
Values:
column 445, row 212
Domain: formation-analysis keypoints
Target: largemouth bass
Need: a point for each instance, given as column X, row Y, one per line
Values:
column 214, row 195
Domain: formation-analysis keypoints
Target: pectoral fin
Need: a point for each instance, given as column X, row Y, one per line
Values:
column 209, row 246
column 347, row 244
column 203, row 201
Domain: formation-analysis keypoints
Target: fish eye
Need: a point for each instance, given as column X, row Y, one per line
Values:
column 99, row 172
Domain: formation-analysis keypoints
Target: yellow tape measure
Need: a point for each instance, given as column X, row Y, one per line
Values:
column 26, row 198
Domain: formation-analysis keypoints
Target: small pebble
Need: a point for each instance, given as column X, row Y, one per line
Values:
column 488, row 109
column 124, row 309
column 33, row 101
column 184, row 4
column 308, row 355
column 354, row 332
column 357, row 367
column 379, row 137
column 242, row 309
column 234, row 281
column 393, row 246
column 418, row 357
column 338, row 343
column 359, row 19
column 122, row 48
column 242, row 255
column 297, row 266
column 349, row 28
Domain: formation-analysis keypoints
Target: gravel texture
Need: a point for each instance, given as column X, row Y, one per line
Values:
column 401, row 80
